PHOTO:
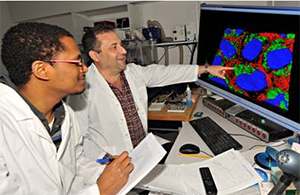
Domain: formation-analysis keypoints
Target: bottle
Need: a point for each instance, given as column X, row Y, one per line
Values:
column 188, row 96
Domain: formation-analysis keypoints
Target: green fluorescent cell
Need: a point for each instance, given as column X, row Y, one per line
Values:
column 282, row 105
column 272, row 94
column 291, row 36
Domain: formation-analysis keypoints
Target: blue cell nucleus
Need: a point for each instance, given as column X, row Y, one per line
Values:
column 279, row 58
column 220, row 81
column 228, row 31
column 252, row 49
column 277, row 100
column 283, row 35
column 227, row 49
column 217, row 61
column 252, row 83
column 239, row 31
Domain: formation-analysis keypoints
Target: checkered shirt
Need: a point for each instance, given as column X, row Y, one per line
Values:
column 134, row 124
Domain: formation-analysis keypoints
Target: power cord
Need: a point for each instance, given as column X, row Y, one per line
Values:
column 233, row 134
column 284, row 142
column 207, row 153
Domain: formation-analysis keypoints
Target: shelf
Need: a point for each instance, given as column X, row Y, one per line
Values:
column 176, row 43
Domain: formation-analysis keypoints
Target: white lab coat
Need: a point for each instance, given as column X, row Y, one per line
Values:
column 100, row 114
column 29, row 163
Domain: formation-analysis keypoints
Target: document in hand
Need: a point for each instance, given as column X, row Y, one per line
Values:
column 230, row 170
column 144, row 158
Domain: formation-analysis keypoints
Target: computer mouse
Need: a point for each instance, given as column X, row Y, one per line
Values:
column 189, row 149
column 198, row 114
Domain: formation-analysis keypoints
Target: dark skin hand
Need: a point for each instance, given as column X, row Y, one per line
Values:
column 115, row 175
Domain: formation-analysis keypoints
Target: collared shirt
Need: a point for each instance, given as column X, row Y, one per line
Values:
column 134, row 124
column 59, row 115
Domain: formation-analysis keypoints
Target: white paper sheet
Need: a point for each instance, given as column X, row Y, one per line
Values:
column 230, row 170
column 144, row 158
column 164, row 178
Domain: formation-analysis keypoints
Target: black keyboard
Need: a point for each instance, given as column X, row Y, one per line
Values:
column 215, row 137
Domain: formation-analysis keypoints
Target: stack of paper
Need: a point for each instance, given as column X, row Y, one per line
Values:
column 144, row 158
column 230, row 170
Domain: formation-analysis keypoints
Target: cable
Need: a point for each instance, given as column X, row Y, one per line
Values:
column 207, row 153
column 189, row 48
column 166, row 56
column 166, row 52
column 257, row 146
column 181, row 54
column 266, row 145
column 122, row 23
column 192, row 56
column 233, row 134
column 161, row 58
column 153, row 24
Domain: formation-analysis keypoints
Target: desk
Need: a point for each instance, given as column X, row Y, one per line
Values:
column 188, row 135
column 171, row 116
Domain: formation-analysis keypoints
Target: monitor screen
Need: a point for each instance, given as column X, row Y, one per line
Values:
column 262, row 45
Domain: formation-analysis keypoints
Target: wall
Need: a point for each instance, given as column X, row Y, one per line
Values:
column 6, row 22
column 168, row 13
column 178, row 12
column 287, row 3
column 64, row 20
column 24, row 10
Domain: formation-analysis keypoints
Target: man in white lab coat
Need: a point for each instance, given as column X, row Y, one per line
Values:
column 40, row 141
column 113, row 107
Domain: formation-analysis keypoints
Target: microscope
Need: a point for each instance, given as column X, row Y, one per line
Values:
column 289, row 162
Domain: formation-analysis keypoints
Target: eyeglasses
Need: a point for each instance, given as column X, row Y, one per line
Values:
column 79, row 62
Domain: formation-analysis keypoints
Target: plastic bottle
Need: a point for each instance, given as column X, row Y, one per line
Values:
column 188, row 96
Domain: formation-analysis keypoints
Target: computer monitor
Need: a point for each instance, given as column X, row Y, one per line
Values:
column 262, row 44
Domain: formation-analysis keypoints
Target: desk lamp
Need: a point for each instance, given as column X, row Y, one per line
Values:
column 289, row 162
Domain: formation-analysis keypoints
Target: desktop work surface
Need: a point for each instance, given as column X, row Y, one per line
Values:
column 188, row 135
column 251, row 144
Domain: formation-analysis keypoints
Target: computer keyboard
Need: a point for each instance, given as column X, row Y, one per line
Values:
column 215, row 137
column 177, row 108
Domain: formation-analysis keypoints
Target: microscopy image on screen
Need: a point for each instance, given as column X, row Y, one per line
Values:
column 262, row 65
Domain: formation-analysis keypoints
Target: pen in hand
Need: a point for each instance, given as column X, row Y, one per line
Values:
column 104, row 160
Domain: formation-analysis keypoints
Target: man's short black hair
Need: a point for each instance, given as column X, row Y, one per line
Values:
column 89, row 40
column 27, row 42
